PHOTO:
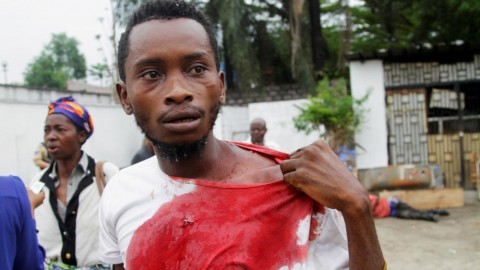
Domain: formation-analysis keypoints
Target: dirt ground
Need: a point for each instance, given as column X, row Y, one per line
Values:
column 452, row 243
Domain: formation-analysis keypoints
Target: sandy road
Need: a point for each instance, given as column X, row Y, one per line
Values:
column 452, row 243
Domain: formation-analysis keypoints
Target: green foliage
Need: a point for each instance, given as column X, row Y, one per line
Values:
column 123, row 9
column 59, row 61
column 237, row 25
column 101, row 72
column 334, row 109
column 414, row 23
column 257, row 41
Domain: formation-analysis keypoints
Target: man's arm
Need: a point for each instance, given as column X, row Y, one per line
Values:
column 317, row 171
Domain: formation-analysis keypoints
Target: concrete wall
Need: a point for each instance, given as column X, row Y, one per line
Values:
column 279, row 117
column 368, row 76
column 22, row 115
column 233, row 123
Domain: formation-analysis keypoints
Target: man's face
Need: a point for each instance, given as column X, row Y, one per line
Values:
column 257, row 132
column 172, row 85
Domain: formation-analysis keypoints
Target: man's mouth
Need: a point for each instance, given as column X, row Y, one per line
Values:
column 182, row 121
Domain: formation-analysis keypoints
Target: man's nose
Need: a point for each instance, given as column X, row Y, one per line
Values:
column 178, row 90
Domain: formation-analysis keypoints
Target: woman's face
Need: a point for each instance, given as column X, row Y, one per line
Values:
column 62, row 138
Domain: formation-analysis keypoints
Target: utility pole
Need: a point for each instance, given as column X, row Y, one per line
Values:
column 4, row 65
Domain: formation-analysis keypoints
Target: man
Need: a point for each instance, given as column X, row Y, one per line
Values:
column 204, row 203
column 258, row 129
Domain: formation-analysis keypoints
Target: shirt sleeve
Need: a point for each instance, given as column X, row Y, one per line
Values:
column 18, row 237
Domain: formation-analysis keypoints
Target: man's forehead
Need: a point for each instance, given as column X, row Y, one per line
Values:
column 164, row 36
column 168, row 29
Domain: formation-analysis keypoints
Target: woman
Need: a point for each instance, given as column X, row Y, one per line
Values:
column 68, row 223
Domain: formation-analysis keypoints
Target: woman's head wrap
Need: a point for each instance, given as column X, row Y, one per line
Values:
column 74, row 111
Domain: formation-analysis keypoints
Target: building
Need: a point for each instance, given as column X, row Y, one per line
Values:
column 424, row 108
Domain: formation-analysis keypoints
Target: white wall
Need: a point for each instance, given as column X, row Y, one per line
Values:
column 234, row 123
column 116, row 137
column 279, row 117
column 368, row 76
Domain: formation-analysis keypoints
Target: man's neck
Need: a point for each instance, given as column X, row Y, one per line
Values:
column 206, row 166
column 262, row 143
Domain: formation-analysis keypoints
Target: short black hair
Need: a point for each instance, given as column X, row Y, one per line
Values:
column 164, row 10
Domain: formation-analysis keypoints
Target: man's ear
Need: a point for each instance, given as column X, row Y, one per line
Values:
column 223, row 95
column 123, row 97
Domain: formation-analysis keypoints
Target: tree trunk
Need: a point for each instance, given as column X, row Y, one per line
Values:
column 228, row 67
column 319, row 46
column 346, row 37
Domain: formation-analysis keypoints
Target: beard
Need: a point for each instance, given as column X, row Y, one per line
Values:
column 176, row 152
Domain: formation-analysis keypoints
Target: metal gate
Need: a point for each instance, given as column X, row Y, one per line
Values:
column 445, row 150
column 407, row 126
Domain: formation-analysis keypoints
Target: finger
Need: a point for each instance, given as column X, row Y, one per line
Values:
column 288, row 166
column 296, row 152
column 290, row 179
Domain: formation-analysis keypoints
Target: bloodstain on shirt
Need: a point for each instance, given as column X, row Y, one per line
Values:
column 227, row 226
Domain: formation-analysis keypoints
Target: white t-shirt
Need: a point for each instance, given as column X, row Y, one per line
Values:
column 142, row 207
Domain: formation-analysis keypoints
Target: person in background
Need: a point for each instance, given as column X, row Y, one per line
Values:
column 68, row 221
column 42, row 158
column 258, row 129
column 19, row 248
column 146, row 151
column 206, row 203
column 392, row 207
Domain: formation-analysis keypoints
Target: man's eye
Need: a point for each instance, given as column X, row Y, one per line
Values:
column 151, row 75
column 197, row 70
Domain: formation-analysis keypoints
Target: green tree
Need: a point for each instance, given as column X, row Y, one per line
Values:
column 101, row 72
column 59, row 62
column 414, row 23
column 335, row 110
column 234, row 18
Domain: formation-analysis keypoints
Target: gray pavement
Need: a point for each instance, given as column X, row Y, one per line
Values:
column 450, row 244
